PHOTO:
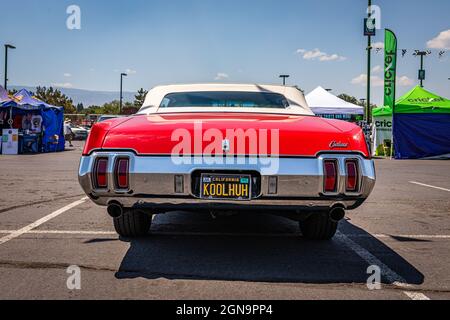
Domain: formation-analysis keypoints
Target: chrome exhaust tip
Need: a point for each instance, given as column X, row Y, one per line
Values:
column 337, row 214
column 115, row 210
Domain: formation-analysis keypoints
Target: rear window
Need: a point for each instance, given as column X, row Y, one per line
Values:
column 225, row 100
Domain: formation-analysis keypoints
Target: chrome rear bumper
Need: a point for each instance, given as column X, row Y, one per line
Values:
column 299, row 182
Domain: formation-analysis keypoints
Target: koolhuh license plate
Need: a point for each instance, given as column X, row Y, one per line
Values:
column 225, row 187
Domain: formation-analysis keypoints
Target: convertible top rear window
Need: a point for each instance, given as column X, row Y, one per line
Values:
column 217, row 99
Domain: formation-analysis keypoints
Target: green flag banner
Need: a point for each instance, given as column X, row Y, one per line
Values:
column 390, row 68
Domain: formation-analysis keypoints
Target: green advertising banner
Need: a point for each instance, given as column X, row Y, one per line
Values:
column 390, row 68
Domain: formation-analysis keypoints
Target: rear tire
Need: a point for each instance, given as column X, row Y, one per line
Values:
column 319, row 226
column 133, row 223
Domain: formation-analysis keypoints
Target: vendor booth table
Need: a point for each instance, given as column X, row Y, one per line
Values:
column 420, row 126
column 30, row 125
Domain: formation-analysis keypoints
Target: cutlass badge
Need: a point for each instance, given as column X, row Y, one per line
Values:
column 339, row 144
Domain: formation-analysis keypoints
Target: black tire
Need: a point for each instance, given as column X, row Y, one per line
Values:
column 319, row 226
column 133, row 223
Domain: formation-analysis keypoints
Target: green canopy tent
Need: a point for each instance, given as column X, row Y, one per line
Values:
column 421, row 125
column 416, row 101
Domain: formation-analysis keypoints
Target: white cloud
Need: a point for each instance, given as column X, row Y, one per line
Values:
column 221, row 76
column 377, row 69
column 63, row 85
column 377, row 81
column 362, row 80
column 130, row 71
column 316, row 54
column 67, row 75
column 378, row 45
column 442, row 41
column 405, row 81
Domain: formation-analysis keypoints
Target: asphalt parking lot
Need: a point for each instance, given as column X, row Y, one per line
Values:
column 47, row 225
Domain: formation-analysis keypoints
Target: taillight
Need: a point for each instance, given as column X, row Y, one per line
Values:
column 121, row 173
column 330, row 170
column 352, row 175
column 101, row 174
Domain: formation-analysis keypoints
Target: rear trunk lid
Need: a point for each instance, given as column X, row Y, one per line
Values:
column 234, row 134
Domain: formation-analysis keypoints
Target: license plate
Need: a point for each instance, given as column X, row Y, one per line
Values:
column 225, row 187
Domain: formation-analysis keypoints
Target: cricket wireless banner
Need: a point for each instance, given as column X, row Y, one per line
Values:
column 390, row 68
column 383, row 122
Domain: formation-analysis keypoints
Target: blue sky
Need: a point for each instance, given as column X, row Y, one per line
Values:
column 182, row 41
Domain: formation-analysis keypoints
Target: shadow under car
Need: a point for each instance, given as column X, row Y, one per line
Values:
column 260, row 248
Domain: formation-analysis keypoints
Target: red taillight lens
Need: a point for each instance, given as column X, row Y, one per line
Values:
column 330, row 170
column 122, row 173
column 101, row 174
column 352, row 176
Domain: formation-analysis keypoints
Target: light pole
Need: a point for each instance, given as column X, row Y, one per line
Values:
column 7, row 46
column 369, row 53
column 284, row 77
column 421, row 54
column 121, row 91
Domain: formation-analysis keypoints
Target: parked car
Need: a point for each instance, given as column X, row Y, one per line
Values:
column 79, row 133
column 227, row 148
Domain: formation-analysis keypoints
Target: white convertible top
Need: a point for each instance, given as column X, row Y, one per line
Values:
column 296, row 99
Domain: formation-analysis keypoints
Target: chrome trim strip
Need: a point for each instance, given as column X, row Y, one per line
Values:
column 143, row 202
column 297, row 178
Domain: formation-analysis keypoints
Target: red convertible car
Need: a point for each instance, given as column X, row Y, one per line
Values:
column 225, row 149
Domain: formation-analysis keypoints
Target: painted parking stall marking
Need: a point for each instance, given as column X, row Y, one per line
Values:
column 210, row 234
column 41, row 221
column 416, row 296
column 429, row 186
column 64, row 232
column 387, row 272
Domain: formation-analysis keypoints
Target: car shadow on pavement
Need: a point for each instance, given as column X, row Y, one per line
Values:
column 249, row 248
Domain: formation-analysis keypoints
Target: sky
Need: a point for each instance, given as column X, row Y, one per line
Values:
column 317, row 42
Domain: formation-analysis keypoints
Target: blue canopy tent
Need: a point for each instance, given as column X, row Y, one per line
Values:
column 422, row 126
column 52, row 118
column 3, row 95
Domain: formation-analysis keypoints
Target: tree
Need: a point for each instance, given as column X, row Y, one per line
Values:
column 80, row 108
column 107, row 108
column 112, row 108
column 93, row 110
column 55, row 98
column 140, row 98
column 129, row 109
column 354, row 100
column 350, row 99
column 12, row 92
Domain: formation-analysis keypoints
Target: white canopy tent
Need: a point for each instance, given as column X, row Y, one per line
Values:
column 322, row 102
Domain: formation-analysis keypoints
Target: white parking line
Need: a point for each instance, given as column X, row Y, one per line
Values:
column 210, row 234
column 65, row 232
column 41, row 221
column 412, row 236
column 429, row 186
column 387, row 272
column 416, row 296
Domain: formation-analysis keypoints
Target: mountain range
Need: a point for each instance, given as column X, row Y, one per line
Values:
column 87, row 97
